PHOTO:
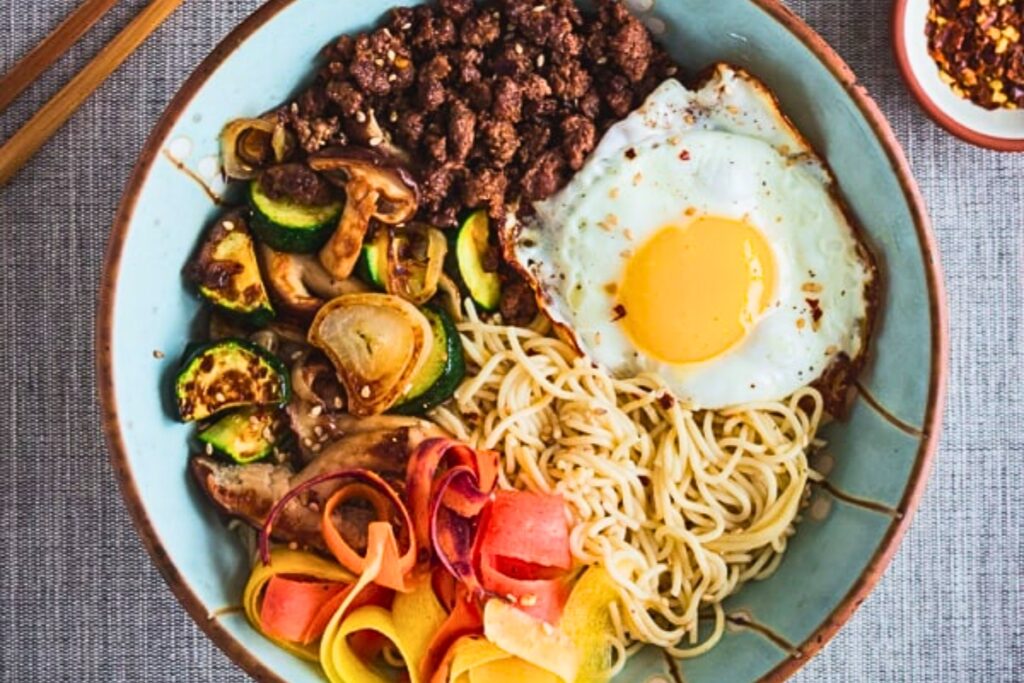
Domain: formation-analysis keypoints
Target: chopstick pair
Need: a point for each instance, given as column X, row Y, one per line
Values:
column 45, row 122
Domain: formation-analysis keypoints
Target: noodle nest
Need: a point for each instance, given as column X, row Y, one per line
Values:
column 681, row 507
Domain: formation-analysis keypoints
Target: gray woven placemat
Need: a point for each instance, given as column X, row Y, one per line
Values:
column 79, row 599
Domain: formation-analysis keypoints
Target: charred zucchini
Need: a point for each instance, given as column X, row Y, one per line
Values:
column 286, row 225
column 471, row 247
column 245, row 435
column 443, row 371
column 229, row 374
column 373, row 260
column 227, row 274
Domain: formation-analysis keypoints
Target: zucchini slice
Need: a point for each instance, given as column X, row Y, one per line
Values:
column 373, row 260
column 443, row 371
column 229, row 374
column 227, row 274
column 286, row 225
column 470, row 247
column 245, row 435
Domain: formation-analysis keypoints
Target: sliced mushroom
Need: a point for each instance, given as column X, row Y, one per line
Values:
column 376, row 187
column 300, row 283
column 250, row 491
column 377, row 343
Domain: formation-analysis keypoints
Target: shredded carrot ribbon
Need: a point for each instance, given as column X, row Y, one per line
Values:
column 508, row 543
column 286, row 565
column 394, row 565
column 523, row 549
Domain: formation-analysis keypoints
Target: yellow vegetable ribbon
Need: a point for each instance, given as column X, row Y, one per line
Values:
column 477, row 660
column 414, row 618
column 531, row 640
column 289, row 562
column 587, row 620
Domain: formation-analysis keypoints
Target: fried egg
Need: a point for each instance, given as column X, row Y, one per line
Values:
column 702, row 242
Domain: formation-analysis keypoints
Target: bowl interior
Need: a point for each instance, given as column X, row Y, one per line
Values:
column 1002, row 124
column 873, row 460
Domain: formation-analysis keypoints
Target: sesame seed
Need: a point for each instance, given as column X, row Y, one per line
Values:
column 307, row 442
column 315, row 448
column 337, row 402
column 391, row 55
column 540, row 61
column 379, row 62
column 528, row 600
column 519, row 49
column 539, row 8
column 392, row 78
column 296, row 355
column 365, row 391
column 361, row 116
column 209, row 449
column 376, row 140
column 228, row 225
column 315, row 411
column 406, row 26
column 318, row 430
column 314, row 506
column 393, row 116
column 220, row 397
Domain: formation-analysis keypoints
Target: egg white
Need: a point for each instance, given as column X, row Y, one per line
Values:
column 723, row 150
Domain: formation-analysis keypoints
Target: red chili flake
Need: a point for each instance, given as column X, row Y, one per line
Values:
column 816, row 311
column 977, row 46
column 666, row 400
column 619, row 312
column 685, row 155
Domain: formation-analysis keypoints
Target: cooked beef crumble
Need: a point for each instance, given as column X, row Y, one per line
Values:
column 496, row 103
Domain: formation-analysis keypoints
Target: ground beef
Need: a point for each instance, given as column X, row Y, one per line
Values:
column 517, row 305
column 501, row 141
column 578, row 139
column 480, row 29
column 432, row 90
column 296, row 182
column 545, row 176
column 495, row 102
column 461, row 130
column 346, row 96
column 487, row 189
column 508, row 100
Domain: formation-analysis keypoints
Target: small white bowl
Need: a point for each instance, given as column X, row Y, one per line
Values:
column 1000, row 129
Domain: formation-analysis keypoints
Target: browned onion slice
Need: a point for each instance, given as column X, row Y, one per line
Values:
column 415, row 258
column 377, row 343
column 246, row 146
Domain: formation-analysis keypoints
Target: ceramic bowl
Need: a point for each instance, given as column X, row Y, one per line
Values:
column 877, row 461
column 1001, row 130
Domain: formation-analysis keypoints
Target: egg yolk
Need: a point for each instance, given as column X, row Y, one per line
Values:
column 692, row 291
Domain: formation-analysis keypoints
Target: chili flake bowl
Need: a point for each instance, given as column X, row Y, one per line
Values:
column 1000, row 129
column 876, row 462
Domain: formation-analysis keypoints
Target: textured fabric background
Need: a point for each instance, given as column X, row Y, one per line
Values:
column 79, row 599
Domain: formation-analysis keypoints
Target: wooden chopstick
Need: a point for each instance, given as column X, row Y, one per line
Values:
column 24, row 143
column 53, row 46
